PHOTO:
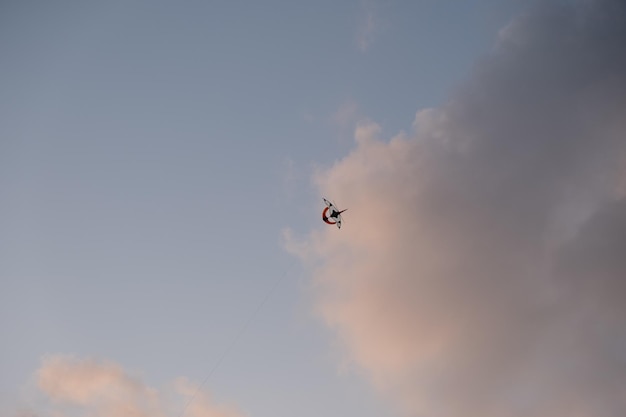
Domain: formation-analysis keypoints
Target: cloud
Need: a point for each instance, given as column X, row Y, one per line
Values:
column 87, row 387
column 347, row 114
column 480, row 271
column 368, row 26
column 201, row 406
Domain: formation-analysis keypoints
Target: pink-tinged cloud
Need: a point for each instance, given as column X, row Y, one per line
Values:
column 91, row 388
column 81, row 382
column 480, row 269
column 200, row 404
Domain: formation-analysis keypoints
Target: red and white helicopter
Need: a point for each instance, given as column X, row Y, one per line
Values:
column 335, row 214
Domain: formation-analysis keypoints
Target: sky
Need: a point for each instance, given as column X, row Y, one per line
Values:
column 162, row 168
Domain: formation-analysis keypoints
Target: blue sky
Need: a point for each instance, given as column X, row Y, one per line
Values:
column 151, row 155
